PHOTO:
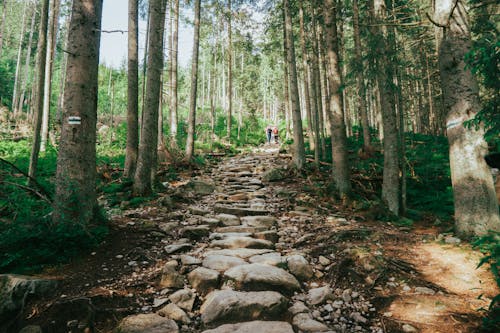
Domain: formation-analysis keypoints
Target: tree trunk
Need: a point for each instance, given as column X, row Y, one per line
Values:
column 336, row 113
column 194, row 84
column 307, row 78
column 38, row 103
column 298, row 138
column 60, row 102
column 476, row 206
column 75, row 196
column 390, row 184
column 132, row 91
column 173, row 79
column 149, row 132
column 2, row 27
column 360, row 79
column 229, row 72
column 317, row 87
column 52, row 29
column 15, row 97
column 24, row 80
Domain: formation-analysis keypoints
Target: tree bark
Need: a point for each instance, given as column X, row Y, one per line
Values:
column 38, row 103
column 2, row 27
column 15, row 97
column 24, row 80
column 317, row 105
column 132, row 91
column 336, row 112
column 391, row 180
column 148, row 143
column 173, row 79
column 229, row 72
column 298, row 138
column 476, row 206
column 75, row 196
column 194, row 84
column 360, row 79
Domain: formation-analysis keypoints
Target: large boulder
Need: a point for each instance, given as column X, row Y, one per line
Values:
column 262, row 277
column 254, row 327
column 299, row 266
column 222, row 263
column 16, row 289
column 147, row 323
column 223, row 306
column 204, row 280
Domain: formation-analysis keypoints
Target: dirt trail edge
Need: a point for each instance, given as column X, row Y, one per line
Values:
column 245, row 247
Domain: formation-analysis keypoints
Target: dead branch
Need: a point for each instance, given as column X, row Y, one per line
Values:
column 43, row 190
column 29, row 189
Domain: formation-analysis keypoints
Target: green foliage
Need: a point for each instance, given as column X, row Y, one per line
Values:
column 490, row 246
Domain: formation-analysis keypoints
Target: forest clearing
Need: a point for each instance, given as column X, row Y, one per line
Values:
column 306, row 166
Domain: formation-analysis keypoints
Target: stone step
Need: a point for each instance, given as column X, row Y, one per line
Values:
column 229, row 306
column 236, row 242
column 239, row 211
column 261, row 277
column 254, row 327
column 240, row 253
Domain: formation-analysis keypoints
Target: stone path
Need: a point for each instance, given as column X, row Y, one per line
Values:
column 231, row 270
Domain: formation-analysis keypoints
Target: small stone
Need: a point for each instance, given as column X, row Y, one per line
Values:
column 299, row 267
column 119, row 256
column 328, row 308
column 358, row 317
column 151, row 323
column 184, row 299
column 175, row 248
column 324, row 261
column 171, row 278
column 305, row 323
column 228, row 220
column 222, row 263
column 319, row 295
column 174, row 312
column 346, row 295
column 409, row 329
column 298, row 307
column 452, row 240
column 204, row 280
column 189, row 260
column 159, row 302
column 424, row 290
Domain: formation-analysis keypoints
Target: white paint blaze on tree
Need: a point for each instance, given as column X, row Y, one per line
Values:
column 476, row 206
column 75, row 196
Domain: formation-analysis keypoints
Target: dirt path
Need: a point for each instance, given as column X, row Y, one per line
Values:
column 233, row 252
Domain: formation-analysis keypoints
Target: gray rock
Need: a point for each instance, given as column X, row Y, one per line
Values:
column 147, row 323
column 240, row 228
column 298, row 307
column 212, row 222
column 184, row 299
column 273, row 259
column 228, row 220
column 242, row 242
column 222, row 263
column 273, row 175
column 452, row 240
column 223, row 306
column 195, row 232
column 174, row 312
column 262, row 277
column 319, row 295
column 190, row 260
column 171, row 278
column 409, row 329
column 254, row 327
column 424, row 290
column 200, row 187
column 356, row 316
column 203, row 280
column 168, row 227
column 175, row 248
column 305, row 323
column 239, row 211
column 31, row 329
column 222, row 235
column 324, row 261
column 15, row 290
column 198, row 210
column 298, row 266
column 259, row 221
column 240, row 253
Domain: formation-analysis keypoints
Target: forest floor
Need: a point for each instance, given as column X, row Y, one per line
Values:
column 379, row 277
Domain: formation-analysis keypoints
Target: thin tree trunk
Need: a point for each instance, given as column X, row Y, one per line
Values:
column 148, row 143
column 60, row 102
column 75, row 195
column 336, row 113
column 476, row 206
column 360, row 79
column 15, row 97
column 38, row 103
column 194, row 84
column 317, row 90
column 24, row 81
column 173, row 79
column 2, row 27
column 229, row 72
column 132, row 91
column 298, row 138
column 307, row 78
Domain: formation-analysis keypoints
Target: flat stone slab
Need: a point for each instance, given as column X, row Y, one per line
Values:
column 147, row 323
column 258, row 221
column 273, row 259
column 222, row 235
column 175, row 248
column 222, row 263
column 242, row 242
column 195, row 232
column 240, row 228
column 240, row 253
column 226, row 306
column 254, row 327
column 228, row 219
column 305, row 323
column 204, row 280
column 239, row 211
column 262, row 277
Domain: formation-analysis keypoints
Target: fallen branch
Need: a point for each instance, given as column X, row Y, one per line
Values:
column 43, row 190
column 320, row 162
column 29, row 189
